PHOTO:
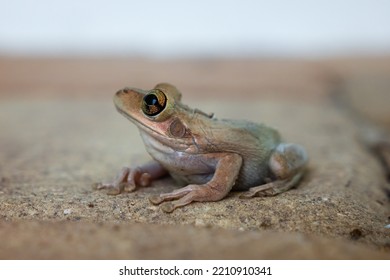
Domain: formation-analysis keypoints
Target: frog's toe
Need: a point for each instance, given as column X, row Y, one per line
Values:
column 156, row 199
column 168, row 207
column 127, row 187
column 247, row 195
column 97, row 186
column 114, row 190
column 145, row 179
column 263, row 190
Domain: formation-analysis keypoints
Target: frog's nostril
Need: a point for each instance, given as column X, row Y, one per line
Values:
column 122, row 91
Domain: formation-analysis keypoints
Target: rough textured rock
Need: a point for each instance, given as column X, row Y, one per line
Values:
column 52, row 150
column 86, row 240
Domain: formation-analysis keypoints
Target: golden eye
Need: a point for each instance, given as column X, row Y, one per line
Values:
column 154, row 102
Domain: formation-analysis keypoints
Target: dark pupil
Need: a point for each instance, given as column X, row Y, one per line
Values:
column 151, row 99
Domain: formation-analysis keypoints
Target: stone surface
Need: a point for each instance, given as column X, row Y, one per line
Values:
column 86, row 240
column 53, row 149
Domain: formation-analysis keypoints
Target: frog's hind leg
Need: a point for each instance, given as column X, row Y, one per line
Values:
column 287, row 165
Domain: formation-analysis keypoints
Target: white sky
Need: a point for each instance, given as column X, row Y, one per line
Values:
column 202, row 27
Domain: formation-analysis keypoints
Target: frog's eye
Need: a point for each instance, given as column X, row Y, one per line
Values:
column 154, row 102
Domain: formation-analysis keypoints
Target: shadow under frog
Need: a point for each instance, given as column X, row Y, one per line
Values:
column 210, row 156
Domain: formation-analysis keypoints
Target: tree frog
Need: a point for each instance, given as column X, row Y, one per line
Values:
column 210, row 156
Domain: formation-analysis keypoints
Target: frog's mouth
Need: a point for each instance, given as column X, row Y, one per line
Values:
column 140, row 124
column 129, row 117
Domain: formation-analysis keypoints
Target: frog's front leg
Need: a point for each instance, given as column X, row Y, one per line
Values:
column 226, row 172
column 287, row 165
column 128, row 179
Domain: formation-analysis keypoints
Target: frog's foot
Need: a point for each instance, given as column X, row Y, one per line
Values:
column 273, row 188
column 127, row 180
column 176, row 194
column 186, row 195
column 287, row 165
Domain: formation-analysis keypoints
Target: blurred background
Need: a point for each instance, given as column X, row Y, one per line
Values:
column 203, row 28
column 275, row 49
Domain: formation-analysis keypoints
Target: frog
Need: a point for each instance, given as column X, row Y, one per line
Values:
column 209, row 157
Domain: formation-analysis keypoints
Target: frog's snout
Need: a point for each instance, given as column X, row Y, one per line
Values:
column 121, row 96
column 128, row 100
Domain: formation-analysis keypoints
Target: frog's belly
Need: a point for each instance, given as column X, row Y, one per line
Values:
column 186, row 168
column 182, row 166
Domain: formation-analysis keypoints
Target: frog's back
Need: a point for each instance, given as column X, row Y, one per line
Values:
column 247, row 136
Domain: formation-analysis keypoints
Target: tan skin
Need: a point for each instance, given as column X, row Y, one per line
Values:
column 209, row 155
